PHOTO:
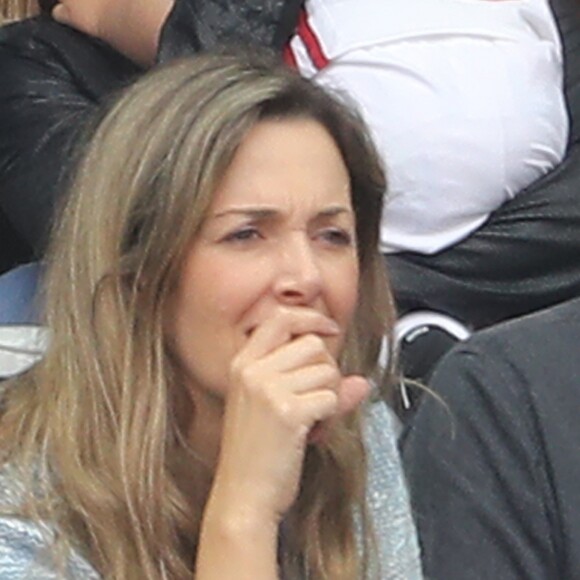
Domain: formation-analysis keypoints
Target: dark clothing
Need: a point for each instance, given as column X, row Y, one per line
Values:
column 53, row 78
column 195, row 26
column 53, row 81
column 495, row 478
column 527, row 255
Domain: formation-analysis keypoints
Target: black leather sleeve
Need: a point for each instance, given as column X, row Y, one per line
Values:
column 194, row 26
column 40, row 112
column 53, row 79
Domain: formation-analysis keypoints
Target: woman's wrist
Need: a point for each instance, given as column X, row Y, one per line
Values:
column 236, row 542
column 239, row 525
column 232, row 511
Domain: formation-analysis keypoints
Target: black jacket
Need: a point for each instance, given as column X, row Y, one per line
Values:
column 53, row 79
column 493, row 470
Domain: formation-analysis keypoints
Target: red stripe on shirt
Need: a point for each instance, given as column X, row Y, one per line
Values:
column 289, row 57
column 311, row 41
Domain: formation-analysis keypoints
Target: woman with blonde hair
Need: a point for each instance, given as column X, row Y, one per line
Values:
column 217, row 304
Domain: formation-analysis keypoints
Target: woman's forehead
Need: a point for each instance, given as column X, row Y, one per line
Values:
column 285, row 163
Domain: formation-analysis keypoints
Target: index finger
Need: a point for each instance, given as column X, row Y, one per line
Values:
column 287, row 323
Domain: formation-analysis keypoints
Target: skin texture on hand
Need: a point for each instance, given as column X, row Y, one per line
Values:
column 130, row 26
column 283, row 383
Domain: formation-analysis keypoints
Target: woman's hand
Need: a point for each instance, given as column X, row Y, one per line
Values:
column 283, row 382
column 130, row 26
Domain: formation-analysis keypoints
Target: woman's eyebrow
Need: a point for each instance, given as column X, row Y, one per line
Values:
column 334, row 210
column 252, row 212
column 258, row 213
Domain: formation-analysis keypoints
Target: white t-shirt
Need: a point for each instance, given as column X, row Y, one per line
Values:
column 464, row 99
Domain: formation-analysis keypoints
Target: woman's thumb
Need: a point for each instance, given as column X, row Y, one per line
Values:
column 353, row 390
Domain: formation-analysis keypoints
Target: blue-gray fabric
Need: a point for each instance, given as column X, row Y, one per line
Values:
column 25, row 545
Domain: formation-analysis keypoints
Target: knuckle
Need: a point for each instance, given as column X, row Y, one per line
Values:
column 238, row 370
column 284, row 316
column 236, row 367
column 286, row 412
column 250, row 379
column 334, row 375
column 245, row 376
column 333, row 402
column 315, row 343
column 328, row 403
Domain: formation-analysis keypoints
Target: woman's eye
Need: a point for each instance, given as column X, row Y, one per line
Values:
column 338, row 237
column 242, row 235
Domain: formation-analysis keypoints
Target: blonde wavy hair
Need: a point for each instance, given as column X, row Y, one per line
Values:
column 11, row 10
column 96, row 430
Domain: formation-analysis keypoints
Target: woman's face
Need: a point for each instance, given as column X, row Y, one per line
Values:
column 279, row 234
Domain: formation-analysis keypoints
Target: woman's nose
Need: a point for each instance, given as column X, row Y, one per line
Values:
column 298, row 278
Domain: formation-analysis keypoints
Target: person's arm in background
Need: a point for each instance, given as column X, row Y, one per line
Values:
column 477, row 474
column 131, row 27
column 54, row 79
column 165, row 29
